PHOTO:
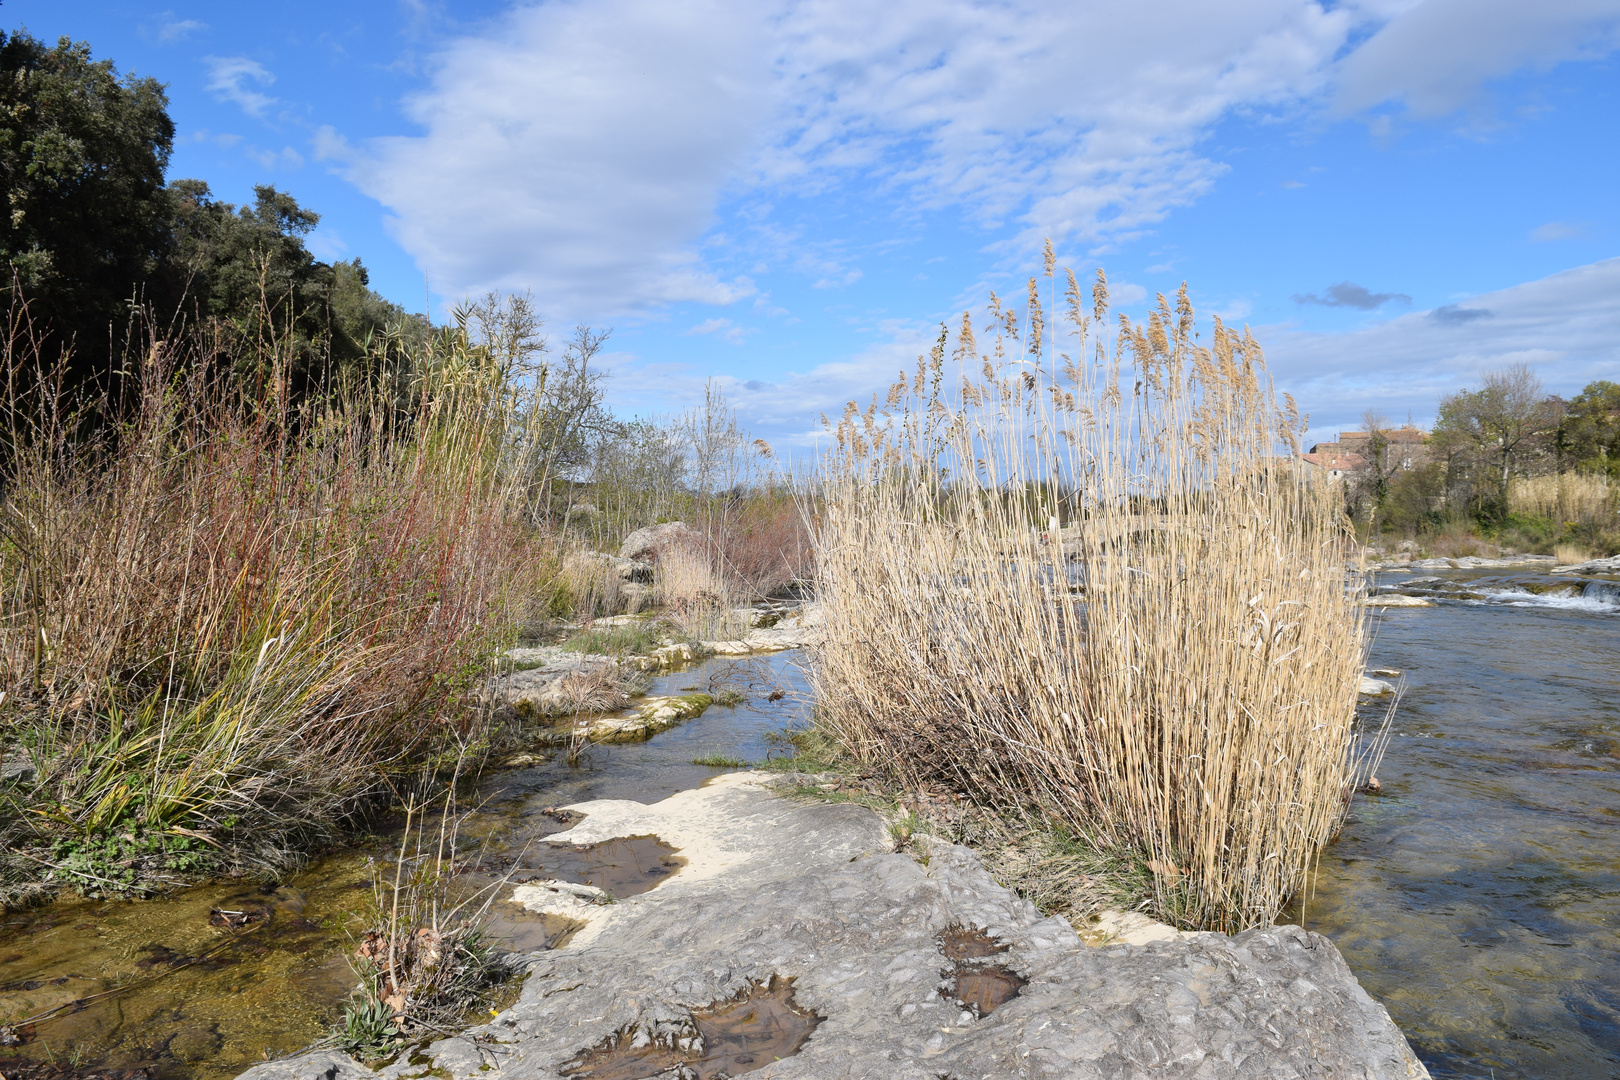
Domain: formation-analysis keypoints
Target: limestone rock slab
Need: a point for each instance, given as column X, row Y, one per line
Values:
column 814, row 892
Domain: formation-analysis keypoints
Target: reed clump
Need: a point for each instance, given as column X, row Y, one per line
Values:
column 1570, row 497
column 1094, row 589
column 229, row 622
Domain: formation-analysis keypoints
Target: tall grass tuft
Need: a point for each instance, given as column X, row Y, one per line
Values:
column 1095, row 587
column 1585, row 498
column 231, row 621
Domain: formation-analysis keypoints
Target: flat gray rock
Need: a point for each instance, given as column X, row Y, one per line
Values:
column 812, row 892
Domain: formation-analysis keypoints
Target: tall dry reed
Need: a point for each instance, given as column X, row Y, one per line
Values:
column 1096, row 588
column 1586, row 498
column 230, row 621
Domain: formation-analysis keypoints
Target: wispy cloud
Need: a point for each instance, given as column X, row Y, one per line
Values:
column 1566, row 326
column 1436, row 55
column 174, row 30
column 229, row 78
column 724, row 328
column 1349, row 294
column 1560, row 230
column 1456, row 314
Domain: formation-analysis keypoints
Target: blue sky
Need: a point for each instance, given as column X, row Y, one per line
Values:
column 790, row 195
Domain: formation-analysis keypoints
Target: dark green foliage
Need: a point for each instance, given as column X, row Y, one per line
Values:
column 1590, row 433
column 82, row 155
column 90, row 232
column 125, row 862
column 1414, row 500
column 247, row 269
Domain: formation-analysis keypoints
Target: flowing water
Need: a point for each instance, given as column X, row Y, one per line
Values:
column 1477, row 896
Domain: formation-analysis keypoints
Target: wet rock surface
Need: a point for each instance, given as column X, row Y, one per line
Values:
column 877, row 945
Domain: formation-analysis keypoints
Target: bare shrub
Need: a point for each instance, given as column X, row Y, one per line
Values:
column 763, row 545
column 1099, row 590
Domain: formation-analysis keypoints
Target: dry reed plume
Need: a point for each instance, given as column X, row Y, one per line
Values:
column 1091, row 587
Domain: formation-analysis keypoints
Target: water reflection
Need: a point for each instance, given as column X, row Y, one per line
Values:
column 1478, row 897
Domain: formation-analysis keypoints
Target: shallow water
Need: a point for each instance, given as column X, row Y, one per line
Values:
column 201, row 1001
column 1478, row 896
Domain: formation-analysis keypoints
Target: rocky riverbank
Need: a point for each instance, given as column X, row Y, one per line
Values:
column 858, row 961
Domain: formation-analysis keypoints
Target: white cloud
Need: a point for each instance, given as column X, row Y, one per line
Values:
column 228, row 79
column 285, row 158
column 178, row 30
column 725, row 328
column 1566, row 326
column 578, row 150
column 1434, row 55
column 582, row 149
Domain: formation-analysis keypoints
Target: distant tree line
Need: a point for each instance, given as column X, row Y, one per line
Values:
column 94, row 242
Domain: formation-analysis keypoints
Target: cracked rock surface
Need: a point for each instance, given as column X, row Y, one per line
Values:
column 813, row 892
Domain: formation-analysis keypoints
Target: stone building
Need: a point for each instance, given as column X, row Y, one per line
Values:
column 1404, row 448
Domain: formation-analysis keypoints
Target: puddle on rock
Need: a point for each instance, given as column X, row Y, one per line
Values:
column 979, row 985
column 739, row 1035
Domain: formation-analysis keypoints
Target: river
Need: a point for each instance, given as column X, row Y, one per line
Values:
column 1478, row 895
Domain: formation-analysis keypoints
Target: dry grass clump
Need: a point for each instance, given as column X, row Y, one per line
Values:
column 228, row 622
column 1090, row 586
column 423, row 961
column 697, row 595
column 1568, row 497
column 1570, row 554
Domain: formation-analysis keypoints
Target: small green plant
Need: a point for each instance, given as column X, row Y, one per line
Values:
column 368, row 1028
column 633, row 639
column 721, row 761
column 730, row 696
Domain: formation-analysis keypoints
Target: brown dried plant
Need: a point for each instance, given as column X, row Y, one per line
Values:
column 229, row 621
column 1095, row 588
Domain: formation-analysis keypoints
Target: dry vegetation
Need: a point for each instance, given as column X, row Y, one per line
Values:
column 1088, row 588
column 1576, row 498
column 229, row 623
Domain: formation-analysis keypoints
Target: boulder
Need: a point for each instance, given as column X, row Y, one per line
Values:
column 1375, row 687
column 644, row 545
column 775, row 889
column 538, row 689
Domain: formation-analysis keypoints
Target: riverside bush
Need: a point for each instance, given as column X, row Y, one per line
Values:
column 1094, row 589
column 234, row 622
